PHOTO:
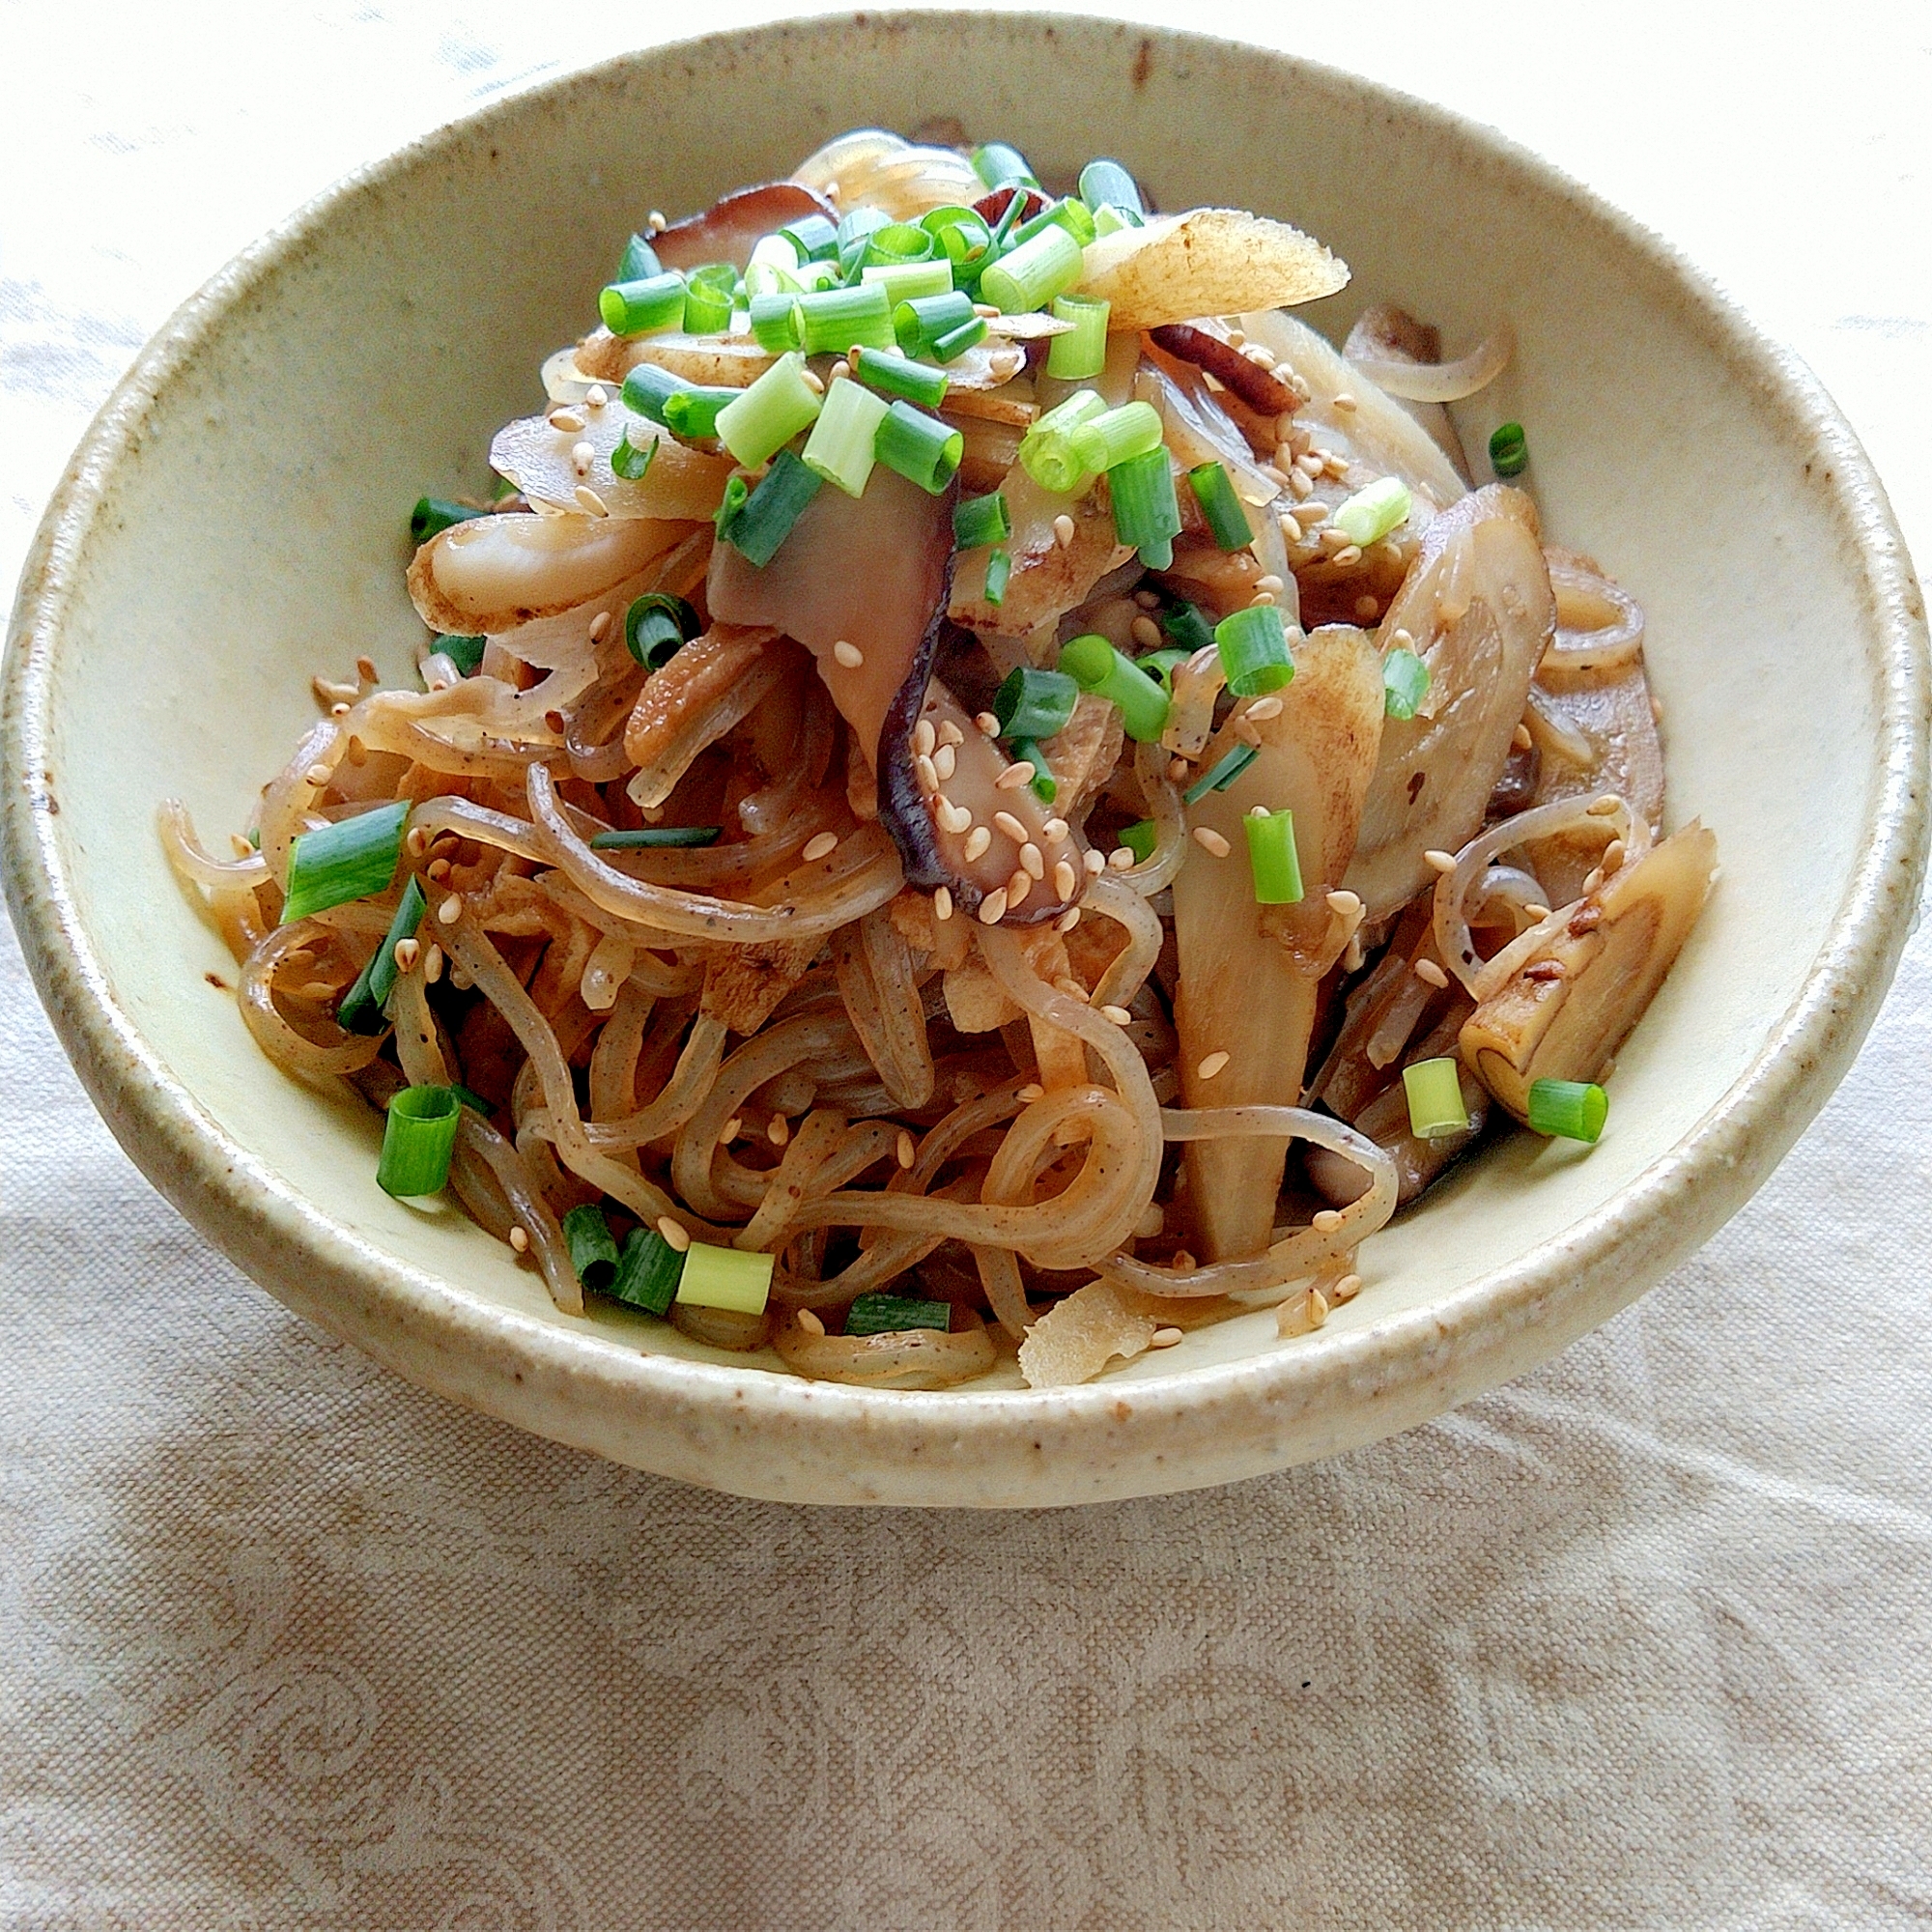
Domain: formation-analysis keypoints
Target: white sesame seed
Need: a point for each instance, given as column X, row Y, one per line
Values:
column 1264, row 708
column 778, row 1130
column 1520, row 738
column 451, row 909
column 1344, row 401
column 1312, row 516
column 1367, row 609
column 590, row 502
column 1311, row 466
column 1121, row 858
column 1593, row 880
column 338, row 710
column 365, row 669
column 318, row 775
column 1430, row 973
column 977, row 842
column 1067, row 920
column 813, row 381
column 1613, row 856
column 1165, row 1338
column 994, row 908
column 658, row 223
column 927, row 773
column 582, row 456
column 600, row 627
column 596, row 396
column 840, row 370
column 1029, row 1093
column 1349, row 553
column 1094, row 862
column 1120, row 1016
column 1600, row 808
column 408, row 952
column 1212, row 1064
column 1145, row 633
column 1317, row 1308
column 942, row 904
column 923, row 738
column 1177, row 769
column 1017, row 888
column 240, row 846
column 1262, row 600
column 1537, row 912
column 676, row 1234
column 986, row 310
column 1261, row 358
column 849, row 655
column 989, row 726
column 951, row 734
column 433, row 964
column 567, row 420
column 1283, row 457
column 1147, row 600
column 1347, row 905
column 1211, row 840
column 1011, row 826
column 1346, row 1289
column 1442, row 862
column 1054, row 831
column 904, row 1150
column 1064, row 879
column 519, row 1240
column 1270, row 581
column 810, row 1323
column 730, row 1131
column 1017, row 774
column 1062, row 530
column 944, row 761
column 821, row 845
column 1236, row 337
column 1033, row 860
column 1299, row 483
column 955, row 818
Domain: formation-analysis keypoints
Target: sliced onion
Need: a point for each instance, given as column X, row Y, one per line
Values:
column 1441, row 381
column 1599, row 624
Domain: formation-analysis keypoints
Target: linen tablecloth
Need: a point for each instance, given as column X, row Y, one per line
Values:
column 1641, row 1639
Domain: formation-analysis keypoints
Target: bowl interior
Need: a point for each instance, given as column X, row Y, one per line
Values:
column 250, row 535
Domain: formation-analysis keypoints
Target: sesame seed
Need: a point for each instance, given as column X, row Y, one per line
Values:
column 596, row 396
column 905, row 1149
column 1262, row 599
column 994, row 908
column 821, row 845
column 240, row 846
column 676, row 1234
column 1147, row 600
column 1095, row 862
column 944, row 761
column 408, row 952
column 987, row 309
column 582, row 456
column 1276, row 477
column 1442, row 862
column 1600, row 808
column 1236, row 337
column 1067, row 920
column 1033, row 860
column 658, row 223
column 600, row 627
column 951, row 734
column 1270, row 583
column 1429, row 973
column 1031, row 1092
column 1145, row 633
column 1283, row 457
column 1349, row 553
column 778, row 1130
column 433, row 965
column 1311, row 466
column 1011, row 826
column 1344, row 401
column 1593, row 880
column 955, row 818
column 1317, row 1308
column 1054, row 831
column 1346, row 1289
column 590, row 502
column 1183, row 1261
column 436, row 870
column 1264, row 708
column 1120, row 1016
column 1537, row 912
column 1017, row 888
column 318, row 775
column 928, row 773
column 1345, row 903
column 923, row 738
column 451, row 909
column 1212, row 1064
column 1312, row 516
column 1211, row 840
column 1367, row 609
column 1164, row 1338
column 1062, row 530
column 849, row 655
column 728, row 1132
column 977, row 842
column 1064, row 879
column 519, row 1240
column 1019, row 773
column 809, row 1323
column 332, row 693
column 365, row 668
column 989, row 726
column 1121, row 858
column 1258, row 811
column 338, row 710
column 1262, row 358
column 1299, row 483
column 942, row 902
column 1520, row 738
column 1613, row 856
column 1073, row 989
column 567, row 420
column 1177, row 769
column 813, row 381
column 840, row 370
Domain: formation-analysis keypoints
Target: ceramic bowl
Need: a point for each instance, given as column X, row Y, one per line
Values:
column 231, row 526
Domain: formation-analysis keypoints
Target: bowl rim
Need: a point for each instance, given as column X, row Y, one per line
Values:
column 1186, row 1429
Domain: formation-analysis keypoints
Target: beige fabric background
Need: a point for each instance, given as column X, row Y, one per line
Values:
column 1641, row 1640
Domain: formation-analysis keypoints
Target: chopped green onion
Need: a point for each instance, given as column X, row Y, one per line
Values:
column 1370, row 513
column 1029, row 276
column 655, row 839
column 1190, row 631
column 839, row 447
column 648, row 1273
column 955, row 343
column 961, row 235
column 903, row 281
column 920, row 321
column 776, row 251
column 647, row 388
column 418, row 1137
column 708, row 295
column 1160, row 664
column 1046, row 450
column 435, row 514
column 813, row 236
column 1110, row 220
column 1082, row 352
column 351, row 859
column 1001, row 166
column 1070, row 214
column 1044, row 785
column 725, row 1278
column 815, row 277
column 361, row 1007
column 777, row 323
column 1117, row 436
column 1509, row 449
column 657, row 626
column 593, row 1254
column 765, row 518
column 1434, row 1091
column 471, row 1099
column 639, row 263
column 1254, row 650
column 1272, row 860
column 860, row 223
column 921, row 448
column 737, row 492
column 692, row 414
column 980, row 519
column 767, row 278
column 630, row 462
column 1009, row 220
column 644, row 307
column 1147, row 513
column 1096, row 665
column 892, row 1314
column 999, row 573
column 1227, row 517
column 1140, row 839
column 835, row 319
column 895, row 375
column 900, row 243
column 1108, row 185
column 767, row 415
column 1035, row 703
column 465, row 653
column 1570, row 1109
column 1405, row 684
column 1222, row 773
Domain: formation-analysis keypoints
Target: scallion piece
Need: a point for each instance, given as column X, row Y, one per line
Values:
column 776, row 251
column 1028, row 277
column 655, row 839
column 1009, row 218
column 764, row 520
column 1140, row 839
column 1046, row 450
column 961, row 235
column 921, row 448
column 1254, row 650
column 895, row 375
column 980, row 519
column 593, row 1254
column 1108, row 219
column 767, row 278
column 470, row 1099
column 1096, row 667
column 1147, row 513
column 1117, row 436
column 1108, row 185
column 465, row 653
column 814, row 237
column 351, row 858
column 1001, row 166
column 1070, row 214
column 435, row 514
column 1035, row 703
column 692, row 414
column 725, row 1278
column 835, row 319
column 767, row 415
column 1509, row 449
column 777, row 323
column 1570, row 1109
column 1370, row 513
column 1082, row 352
column 645, row 307
column 361, row 1007
column 906, row 281
column 839, row 447
column 737, row 492
column 1044, row 785
column 709, row 293
column 418, row 1137
column 1160, row 664
column 1434, row 1091
column 999, row 573
column 1222, row 773
column 648, row 1271
column 919, row 321
column 815, row 277
column 1227, row 517
column 629, row 461
column 657, row 627
column 647, row 388
column 1272, row 860
column 1190, row 631
column 892, row 1314
column 639, row 261
column 855, row 230
column 900, row 243
column 954, row 342
column 1405, row 684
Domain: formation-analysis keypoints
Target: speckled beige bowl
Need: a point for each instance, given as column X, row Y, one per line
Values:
column 230, row 525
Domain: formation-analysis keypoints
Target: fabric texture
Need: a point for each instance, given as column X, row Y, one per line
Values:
column 1639, row 1640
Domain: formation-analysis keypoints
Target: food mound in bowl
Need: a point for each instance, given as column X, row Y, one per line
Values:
column 978, row 789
